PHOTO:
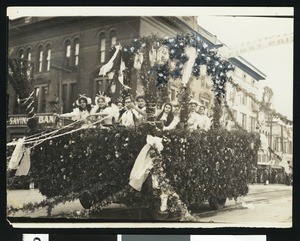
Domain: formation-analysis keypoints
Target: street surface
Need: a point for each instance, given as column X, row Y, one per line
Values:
column 264, row 206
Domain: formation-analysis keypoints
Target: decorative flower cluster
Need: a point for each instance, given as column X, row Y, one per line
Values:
column 262, row 105
column 172, row 64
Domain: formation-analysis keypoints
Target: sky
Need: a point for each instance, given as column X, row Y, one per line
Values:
column 224, row 22
column 276, row 62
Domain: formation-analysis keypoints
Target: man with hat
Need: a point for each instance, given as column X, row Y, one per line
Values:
column 195, row 120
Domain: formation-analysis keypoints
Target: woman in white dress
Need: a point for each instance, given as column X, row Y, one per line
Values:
column 82, row 112
column 102, row 110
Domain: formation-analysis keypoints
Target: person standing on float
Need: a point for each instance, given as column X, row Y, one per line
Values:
column 204, row 120
column 193, row 117
column 131, row 117
column 141, row 105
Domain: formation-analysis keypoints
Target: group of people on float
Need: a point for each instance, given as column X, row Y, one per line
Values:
column 130, row 114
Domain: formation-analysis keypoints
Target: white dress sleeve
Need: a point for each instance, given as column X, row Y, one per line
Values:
column 74, row 113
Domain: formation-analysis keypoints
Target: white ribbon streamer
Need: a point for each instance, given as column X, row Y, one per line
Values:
column 187, row 69
column 121, row 75
column 138, row 61
column 143, row 163
column 17, row 154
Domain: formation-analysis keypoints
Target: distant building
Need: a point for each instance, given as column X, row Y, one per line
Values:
column 244, row 109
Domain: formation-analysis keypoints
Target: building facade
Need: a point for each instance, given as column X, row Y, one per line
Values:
column 68, row 52
column 244, row 109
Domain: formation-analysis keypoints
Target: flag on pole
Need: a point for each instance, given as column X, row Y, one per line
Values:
column 121, row 75
column 113, row 63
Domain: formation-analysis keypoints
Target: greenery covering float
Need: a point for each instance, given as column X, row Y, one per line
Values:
column 96, row 163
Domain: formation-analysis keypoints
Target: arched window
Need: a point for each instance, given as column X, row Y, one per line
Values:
column 205, row 100
column 113, row 38
column 40, row 58
column 76, row 52
column 28, row 54
column 102, row 47
column 21, row 54
column 67, row 53
column 48, row 57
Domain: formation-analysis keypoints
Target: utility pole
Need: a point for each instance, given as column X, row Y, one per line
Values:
column 281, row 127
column 271, row 133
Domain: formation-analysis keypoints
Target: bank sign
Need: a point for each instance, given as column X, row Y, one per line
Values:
column 46, row 119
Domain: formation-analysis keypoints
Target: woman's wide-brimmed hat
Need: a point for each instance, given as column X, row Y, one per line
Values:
column 88, row 100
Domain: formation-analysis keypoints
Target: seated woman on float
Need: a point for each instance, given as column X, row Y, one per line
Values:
column 167, row 116
column 82, row 112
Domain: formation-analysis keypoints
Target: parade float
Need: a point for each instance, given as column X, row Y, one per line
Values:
column 94, row 164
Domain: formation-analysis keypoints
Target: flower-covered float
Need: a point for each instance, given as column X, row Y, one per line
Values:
column 182, row 168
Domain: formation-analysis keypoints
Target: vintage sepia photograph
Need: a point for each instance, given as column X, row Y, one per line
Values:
column 150, row 117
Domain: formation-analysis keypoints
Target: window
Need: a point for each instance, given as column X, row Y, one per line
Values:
column 252, row 124
column 21, row 54
column 67, row 53
column 68, row 96
column 40, row 59
column 205, row 100
column 244, row 98
column 262, row 158
column 102, row 48
column 76, row 52
column 28, row 54
column 244, row 121
column 43, row 98
column 41, row 92
column 113, row 38
column 64, row 97
column 48, row 57
column 275, row 144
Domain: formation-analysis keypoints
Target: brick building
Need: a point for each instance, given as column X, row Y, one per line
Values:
column 67, row 53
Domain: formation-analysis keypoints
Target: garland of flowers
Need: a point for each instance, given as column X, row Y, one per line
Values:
column 263, row 106
column 158, row 66
column 231, row 116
